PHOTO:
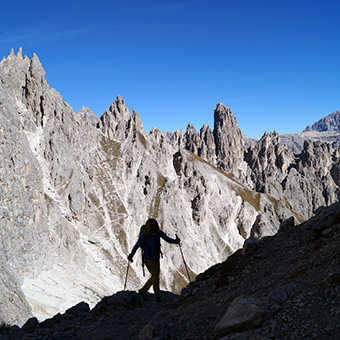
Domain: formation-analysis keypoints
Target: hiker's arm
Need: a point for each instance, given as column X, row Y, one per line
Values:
column 140, row 241
column 168, row 239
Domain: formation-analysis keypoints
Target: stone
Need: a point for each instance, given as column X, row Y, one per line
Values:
column 325, row 218
column 243, row 314
column 282, row 294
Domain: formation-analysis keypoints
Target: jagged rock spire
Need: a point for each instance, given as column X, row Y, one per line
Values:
column 116, row 122
column 19, row 54
column 228, row 139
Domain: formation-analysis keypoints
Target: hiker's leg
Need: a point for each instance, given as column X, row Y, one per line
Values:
column 148, row 284
column 156, row 281
column 153, row 267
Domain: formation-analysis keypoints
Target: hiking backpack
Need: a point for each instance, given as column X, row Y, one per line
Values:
column 141, row 231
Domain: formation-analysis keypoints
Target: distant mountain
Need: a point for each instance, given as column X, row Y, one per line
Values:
column 329, row 124
column 325, row 130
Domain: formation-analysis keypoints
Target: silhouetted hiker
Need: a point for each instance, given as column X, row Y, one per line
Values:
column 150, row 242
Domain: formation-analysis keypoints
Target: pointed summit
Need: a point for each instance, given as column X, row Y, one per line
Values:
column 228, row 139
column 11, row 54
column 116, row 122
column 36, row 68
column 19, row 54
column 330, row 124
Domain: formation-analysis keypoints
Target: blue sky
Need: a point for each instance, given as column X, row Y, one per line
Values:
column 274, row 63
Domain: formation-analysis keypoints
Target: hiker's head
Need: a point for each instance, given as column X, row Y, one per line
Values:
column 151, row 226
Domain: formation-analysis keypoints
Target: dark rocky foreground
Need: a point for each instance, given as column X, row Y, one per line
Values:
column 283, row 287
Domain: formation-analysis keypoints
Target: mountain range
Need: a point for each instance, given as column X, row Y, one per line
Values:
column 75, row 189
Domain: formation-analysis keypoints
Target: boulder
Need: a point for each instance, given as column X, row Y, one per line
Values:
column 282, row 294
column 242, row 315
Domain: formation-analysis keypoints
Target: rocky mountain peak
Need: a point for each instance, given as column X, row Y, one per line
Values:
column 228, row 139
column 267, row 158
column 116, row 122
column 222, row 147
column 224, row 116
column 36, row 69
column 316, row 155
column 271, row 137
column 88, row 115
column 330, row 124
column 16, row 63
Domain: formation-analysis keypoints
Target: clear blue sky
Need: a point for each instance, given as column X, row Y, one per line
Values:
column 274, row 63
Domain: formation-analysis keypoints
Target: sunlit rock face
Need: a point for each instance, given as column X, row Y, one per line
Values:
column 75, row 189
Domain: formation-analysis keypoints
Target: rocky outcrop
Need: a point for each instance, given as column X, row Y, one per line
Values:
column 208, row 147
column 49, row 178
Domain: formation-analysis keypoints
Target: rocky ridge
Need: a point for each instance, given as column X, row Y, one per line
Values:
column 287, row 286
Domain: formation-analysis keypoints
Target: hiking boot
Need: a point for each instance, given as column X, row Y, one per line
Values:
column 143, row 293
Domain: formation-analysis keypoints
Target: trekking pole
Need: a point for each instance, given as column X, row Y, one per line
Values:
column 127, row 272
column 186, row 267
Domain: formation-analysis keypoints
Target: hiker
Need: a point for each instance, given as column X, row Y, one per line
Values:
column 150, row 243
